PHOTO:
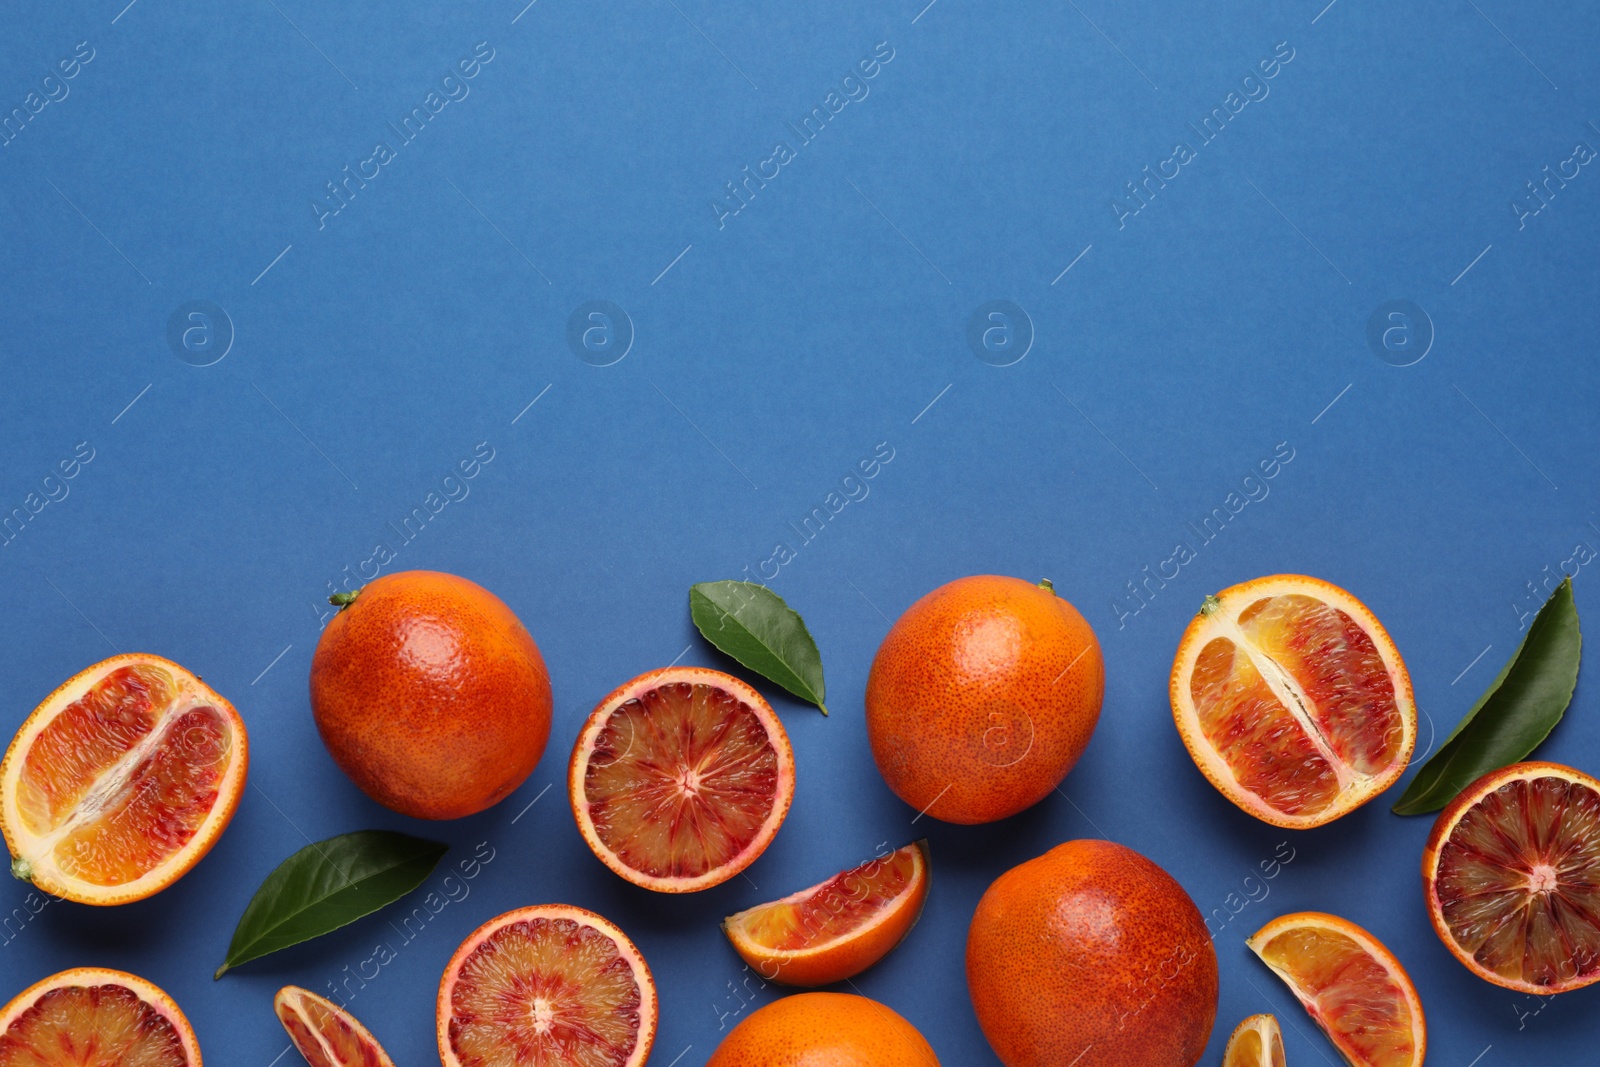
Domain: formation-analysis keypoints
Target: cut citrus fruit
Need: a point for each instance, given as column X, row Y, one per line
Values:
column 1292, row 700
column 681, row 778
column 546, row 986
column 121, row 780
column 1256, row 1042
column 90, row 1016
column 324, row 1033
column 837, row 928
column 1352, row 987
column 1512, row 878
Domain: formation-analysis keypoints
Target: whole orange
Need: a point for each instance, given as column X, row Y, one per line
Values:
column 824, row 1030
column 430, row 694
column 1095, row 956
column 982, row 697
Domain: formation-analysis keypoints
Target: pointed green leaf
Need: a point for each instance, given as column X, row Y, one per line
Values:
column 328, row 885
column 752, row 624
column 1518, row 710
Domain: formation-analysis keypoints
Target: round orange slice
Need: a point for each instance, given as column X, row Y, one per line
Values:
column 324, row 1033
column 1511, row 874
column 549, row 985
column 121, row 780
column 90, row 1015
column 837, row 928
column 1352, row 987
column 1256, row 1042
column 681, row 778
column 1292, row 700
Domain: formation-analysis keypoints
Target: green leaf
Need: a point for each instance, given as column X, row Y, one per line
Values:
column 752, row 624
column 1518, row 710
column 328, row 885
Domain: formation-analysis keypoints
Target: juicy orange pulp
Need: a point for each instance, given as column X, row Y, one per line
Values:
column 325, row 1034
column 91, row 1017
column 1256, row 1042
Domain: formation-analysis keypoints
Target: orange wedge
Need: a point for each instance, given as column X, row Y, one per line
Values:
column 121, row 781
column 324, row 1033
column 1256, row 1042
column 92, row 1016
column 837, row 928
column 1352, row 987
column 1292, row 700
column 1511, row 874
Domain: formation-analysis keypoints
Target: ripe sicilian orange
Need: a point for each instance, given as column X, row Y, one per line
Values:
column 430, row 695
column 1091, row 955
column 1511, row 873
column 1256, row 1042
column 121, row 780
column 1292, row 700
column 838, row 928
column 982, row 697
column 93, row 1016
column 324, row 1033
column 824, row 1030
column 681, row 778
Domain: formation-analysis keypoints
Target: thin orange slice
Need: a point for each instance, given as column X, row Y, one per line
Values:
column 546, row 986
column 324, row 1033
column 90, row 1016
column 1351, row 986
column 121, row 780
column 1512, row 878
column 681, row 778
column 837, row 928
column 1292, row 700
column 1256, row 1042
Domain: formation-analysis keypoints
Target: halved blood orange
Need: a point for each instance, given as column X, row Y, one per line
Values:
column 837, row 928
column 1292, row 700
column 92, row 1016
column 681, row 778
column 1256, row 1042
column 1511, row 874
column 546, row 986
column 324, row 1033
column 1350, row 984
column 121, row 780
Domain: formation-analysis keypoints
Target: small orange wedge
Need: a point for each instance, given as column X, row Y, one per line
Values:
column 1256, row 1042
column 837, row 928
column 121, row 780
column 92, row 1016
column 324, row 1033
column 1350, row 984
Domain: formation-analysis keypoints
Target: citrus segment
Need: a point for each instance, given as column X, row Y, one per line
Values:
column 1292, row 700
column 1256, row 1042
column 121, row 780
column 88, row 1016
column 325, row 1034
column 546, row 986
column 1512, row 877
column 1350, row 984
column 681, row 778
column 837, row 928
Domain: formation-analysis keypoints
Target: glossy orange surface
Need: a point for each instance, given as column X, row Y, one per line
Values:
column 824, row 1030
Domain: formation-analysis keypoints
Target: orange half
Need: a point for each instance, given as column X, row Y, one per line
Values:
column 1256, row 1042
column 92, row 1016
column 324, row 1033
column 837, row 928
column 1350, row 984
column 1292, row 700
column 121, row 780
column 1511, row 873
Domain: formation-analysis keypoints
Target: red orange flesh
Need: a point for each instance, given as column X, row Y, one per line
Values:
column 90, row 1016
column 324, row 1033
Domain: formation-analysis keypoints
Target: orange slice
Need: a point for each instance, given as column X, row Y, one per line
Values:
column 90, row 1016
column 1292, row 700
column 681, row 778
column 324, row 1033
column 546, row 986
column 1511, row 874
column 837, row 928
column 1351, row 986
column 121, row 780
column 1256, row 1042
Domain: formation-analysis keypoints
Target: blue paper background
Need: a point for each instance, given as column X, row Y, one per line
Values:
column 1185, row 342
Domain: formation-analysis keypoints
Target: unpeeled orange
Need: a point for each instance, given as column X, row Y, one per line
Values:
column 824, row 1030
